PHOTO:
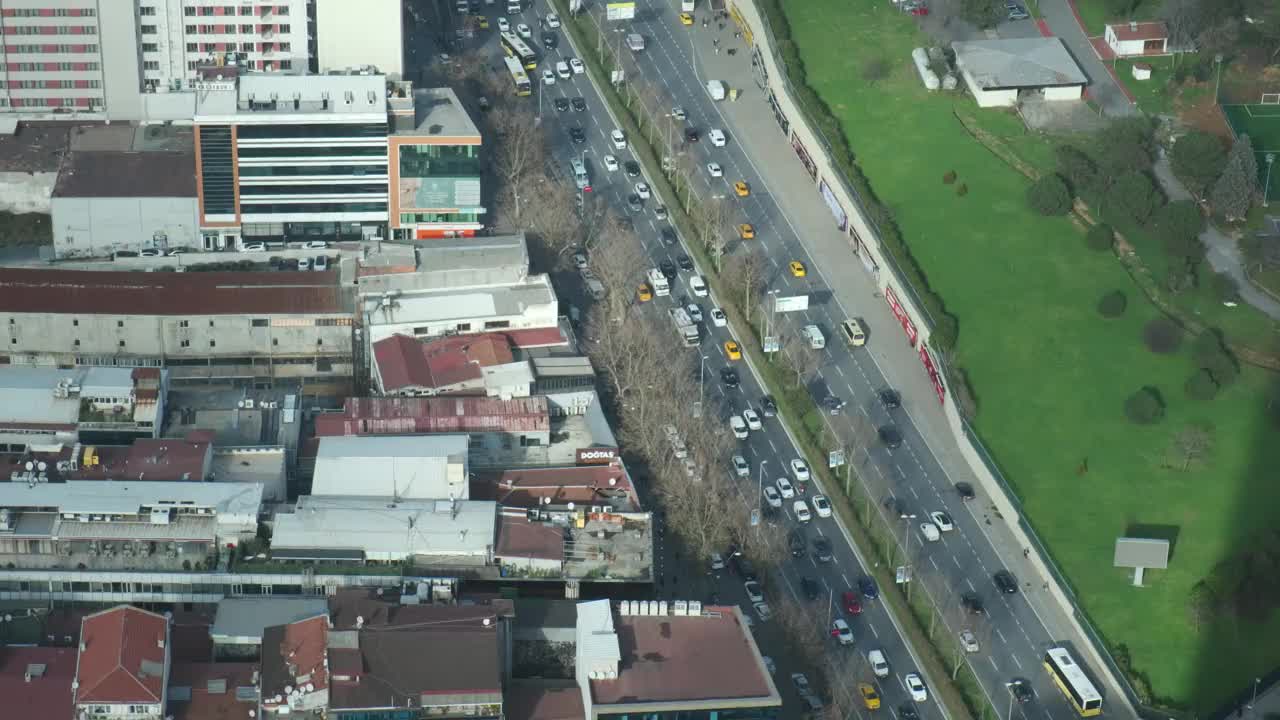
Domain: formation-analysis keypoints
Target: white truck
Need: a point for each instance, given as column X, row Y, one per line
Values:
column 717, row 89
column 686, row 5
column 658, row 282
column 685, row 327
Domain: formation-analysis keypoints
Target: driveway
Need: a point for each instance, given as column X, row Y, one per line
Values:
column 1103, row 86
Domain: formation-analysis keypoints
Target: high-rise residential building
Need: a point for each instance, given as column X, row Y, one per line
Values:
column 357, row 34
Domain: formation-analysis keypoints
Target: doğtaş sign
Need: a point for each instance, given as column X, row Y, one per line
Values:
column 597, row 456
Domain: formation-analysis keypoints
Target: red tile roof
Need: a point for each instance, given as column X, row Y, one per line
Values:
column 403, row 416
column 162, row 293
column 166, row 459
column 584, row 484
column 674, row 658
column 519, row 538
column 292, row 651
column 47, row 696
column 404, row 361
column 213, row 691
column 396, row 666
column 1126, row 32
column 123, row 658
column 542, row 700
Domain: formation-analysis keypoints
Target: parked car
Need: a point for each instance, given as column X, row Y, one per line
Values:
column 717, row 562
column 763, row 611
column 321, row 263
column 965, row 491
column 755, row 593
column 150, row 252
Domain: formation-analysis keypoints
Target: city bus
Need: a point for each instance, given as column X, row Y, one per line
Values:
column 1072, row 681
column 514, row 47
column 519, row 77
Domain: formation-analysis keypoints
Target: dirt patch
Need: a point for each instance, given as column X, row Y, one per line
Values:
column 1203, row 114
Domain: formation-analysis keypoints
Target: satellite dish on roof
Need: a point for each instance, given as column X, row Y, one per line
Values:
column 29, row 466
column 571, row 507
column 42, row 466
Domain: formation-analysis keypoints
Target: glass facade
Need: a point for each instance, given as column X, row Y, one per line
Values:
column 216, row 176
column 329, row 188
column 462, row 217
column 734, row 714
column 248, row 207
column 289, row 152
column 298, row 231
column 312, row 170
column 421, row 161
column 336, row 130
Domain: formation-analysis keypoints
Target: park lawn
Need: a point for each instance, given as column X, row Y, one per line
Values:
column 1049, row 373
column 1155, row 96
column 1095, row 15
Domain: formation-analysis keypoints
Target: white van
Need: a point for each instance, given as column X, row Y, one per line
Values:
column 813, row 335
column 580, row 177
column 513, row 7
column 853, row 332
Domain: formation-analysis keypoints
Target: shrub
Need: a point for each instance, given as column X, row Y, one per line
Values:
column 1076, row 167
column 1201, row 386
column 1215, row 358
column 1180, row 218
column 1134, row 195
column 1100, row 237
column 1225, row 288
column 1162, row 335
column 962, row 190
column 1144, row 407
column 1049, row 195
column 1113, row 304
column 949, row 177
column 875, row 71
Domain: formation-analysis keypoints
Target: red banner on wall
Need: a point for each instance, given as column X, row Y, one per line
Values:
column 926, row 359
column 901, row 313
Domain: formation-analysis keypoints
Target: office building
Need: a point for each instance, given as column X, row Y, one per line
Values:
column 435, row 163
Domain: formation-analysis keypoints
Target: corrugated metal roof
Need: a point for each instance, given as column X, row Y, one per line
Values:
column 391, row 416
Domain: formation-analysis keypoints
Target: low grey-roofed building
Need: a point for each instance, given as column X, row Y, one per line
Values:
column 241, row 621
column 105, row 202
column 547, row 620
column 528, row 304
column 501, row 259
column 559, row 373
column 432, row 467
column 996, row 71
column 265, row 465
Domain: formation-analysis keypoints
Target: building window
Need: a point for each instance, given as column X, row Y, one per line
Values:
column 119, row 323
column 275, row 342
column 462, row 327
column 185, row 343
column 149, row 47
column 213, row 343
column 150, row 65
column 77, row 342
column 148, row 29
column 184, row 323
column 13, row 341
column 422, row 331
column 497, row 324
column 475, row 442
column 146, row 11
column 192, row 47
column 75, row 323
column 189, row 11
column 121, row 343
column 286, row 64
column 319, row 341
column 259, row 322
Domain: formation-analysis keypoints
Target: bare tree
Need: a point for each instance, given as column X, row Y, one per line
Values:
column 804, row 360
column 518, row 152
column 1184, row 19
column 618, row 261
column 744, row 277
column 1192, row 445
column 710, row 226
column 554, row 219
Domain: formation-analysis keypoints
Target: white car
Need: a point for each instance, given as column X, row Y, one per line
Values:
column 619, row 140
column 610, row 163
column 772, row 497
column 916, row 687
column 642, row 189
column 562, row 70
column 548, row 77
column 677, row 112
column 800, row 469
column 763, row 611
column 580, row 261
column 740, row 466
column 739, row 427
column 942, row 520
column 718, row 317
column 841, row 632
column 698, row 286
column 785, row 489
column 822, row 506
column 304, row 264
column 753, row 419
column 755, row 593
column 715, row 170
column 717, row 562
column 769, row 664
column 969, row 641
column 315, row 245
column 524, row 31
column 576, row 66
column 879, row 665
column 553, row 20
column 321, row 263
column 504, row 25
column 254, row 247
column 930, row 532
column 695, row 314
column 716, row 137
column 150, row 252
column 801, row 509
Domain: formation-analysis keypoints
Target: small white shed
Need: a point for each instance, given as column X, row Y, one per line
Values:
column 1137, row 38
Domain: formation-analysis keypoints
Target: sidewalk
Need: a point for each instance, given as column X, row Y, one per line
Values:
column 1103, row 87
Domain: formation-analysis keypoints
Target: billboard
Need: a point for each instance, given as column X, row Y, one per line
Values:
column 620, row 11
column 792, row 303
column 803, row 154
column 439, row 193
column 596, row 456
column 900, row 313
column 842, row 220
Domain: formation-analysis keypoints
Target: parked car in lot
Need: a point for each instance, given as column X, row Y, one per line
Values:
column 763, row 611
column 321, row 263
column 755, row 593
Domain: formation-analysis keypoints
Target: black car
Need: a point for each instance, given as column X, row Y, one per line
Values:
column 691, row 135
column 668, row 270
column 579, row 105
column 907, row 711
column 768, row 406
column 729, row 377
column 685, row 262
column 635, row 203
column 832, row 404
column 972, row 603
column 549, row 40
column 965, row 490
column 896, row 506
column 890, row 399
column 810, row 588
column 744, row 567
column 890, row 436
column 562, row 105
column 1005, row 580
column 795, row 543
column 1021, row 689
column 633, row 169
column 867, row 586
column 577, row 136
column 668, row 237
column 822, row 549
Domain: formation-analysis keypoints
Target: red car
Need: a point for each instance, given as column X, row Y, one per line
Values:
column 851, row 603
column 920, row 11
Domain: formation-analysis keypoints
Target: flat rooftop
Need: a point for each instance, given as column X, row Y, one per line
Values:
column 437, row 112
column 466, row 303
column 270, row 98
column 70, row 292
column 1018, row 63
column 127, row 174
column 35, row 147
column 464, row 528
column 124, row 498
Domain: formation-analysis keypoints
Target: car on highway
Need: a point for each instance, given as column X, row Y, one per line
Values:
column 796, row 543
column 552, row 20
column 850, row 602
column 732, row 350
column 576, row 66
column 822, row 549
column 695, row 312
column 755, row 593
column 810, row 588
column 524, row 31
column 797, row 269
column 972, row 603
column 785, row 488
column 867, row 586
column 772, row 497
column 738, row 427
column 741, row 189
column 633, row 169
column 660, row 212
column 686, row 19
column 643, row 293
column 930, row 532
column 634, row 203
column 841, row 631
column 562, row 70
column 550, row 41
column 896, row 506
column 801, row 510
column 561, row 105
column 610, row 163
column 890, row 399
column 729, row 377
column 833, row 405
column 1021, row 690
column 618, row 139
column 577, row 135
column 677, row 112
column 698, row 286
column 642, row 189
column 800, row 469
column 1017, row 12
column 747, row 231
column 915, row 686
column 907, row 711
column 1005, row 581
column 879, row 666
column 718, row 317
column 504, row 25
column 740, row 466
column 870, row 698
column 822, row 506
column 890, row 436
column 769, row 406
column 965, row 491
column 716, row 137
column 969, row 641
column 753, row 419
column 942, row 520
column 691, row 135
column 579, row 105
column 714, row 170
column 854, row 334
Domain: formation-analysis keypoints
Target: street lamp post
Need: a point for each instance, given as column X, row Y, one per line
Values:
column 1266, row 187
column 1009, row 715
column 760, row 491
column 702, row 382
column 1254, row 701
column 768, row 319
column 1217, row 61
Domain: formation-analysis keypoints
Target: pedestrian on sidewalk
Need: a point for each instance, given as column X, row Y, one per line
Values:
column 717, row 49
column 1026, row 553
column 1046, row 587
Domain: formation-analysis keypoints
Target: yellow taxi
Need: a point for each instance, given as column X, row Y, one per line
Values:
column 870, row 698
column 798, row 269
column 686, row 19
column 741, row 189
column 746, row 231
column 484, row 23
column 732, row 349
column 644, row 294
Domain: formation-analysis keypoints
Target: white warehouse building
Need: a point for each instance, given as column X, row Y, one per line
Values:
column 1001, row 72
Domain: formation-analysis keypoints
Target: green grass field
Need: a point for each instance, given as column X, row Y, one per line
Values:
column 1095, row 15
column 1050, row 374
column 1262, row 124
